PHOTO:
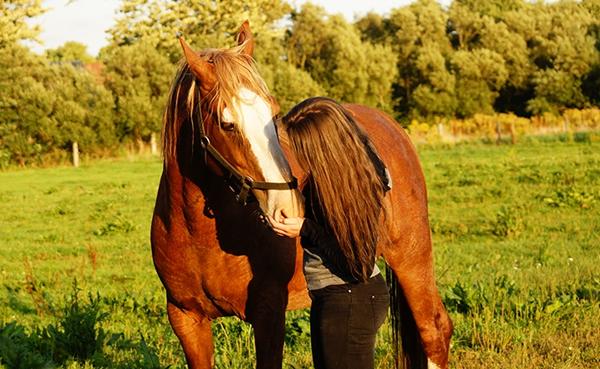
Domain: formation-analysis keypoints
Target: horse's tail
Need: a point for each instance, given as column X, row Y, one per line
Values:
column 406, row 341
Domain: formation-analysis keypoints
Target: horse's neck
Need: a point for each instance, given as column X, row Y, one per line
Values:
column 196, row 188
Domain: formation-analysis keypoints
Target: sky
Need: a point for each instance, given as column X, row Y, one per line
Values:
column 86, row 21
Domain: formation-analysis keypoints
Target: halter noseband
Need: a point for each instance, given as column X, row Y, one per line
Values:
column 234, row 177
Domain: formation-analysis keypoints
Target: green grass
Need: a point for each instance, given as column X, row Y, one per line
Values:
column 516, row 236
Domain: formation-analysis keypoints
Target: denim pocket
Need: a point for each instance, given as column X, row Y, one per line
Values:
column 379, row 306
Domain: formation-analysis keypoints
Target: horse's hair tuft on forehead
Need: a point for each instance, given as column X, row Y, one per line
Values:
column 233, row 71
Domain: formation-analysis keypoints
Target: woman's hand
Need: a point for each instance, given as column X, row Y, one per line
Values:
column 284, row 226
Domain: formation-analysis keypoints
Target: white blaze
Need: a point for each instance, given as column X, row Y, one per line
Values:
column 255, row 120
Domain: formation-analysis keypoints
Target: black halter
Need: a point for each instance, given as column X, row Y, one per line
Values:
column 239, row 183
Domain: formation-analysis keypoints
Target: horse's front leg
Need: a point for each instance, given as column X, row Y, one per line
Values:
column 266, row 307
column 195, row 336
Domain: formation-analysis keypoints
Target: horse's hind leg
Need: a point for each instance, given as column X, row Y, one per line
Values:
column 195, row 336
column 411, row 260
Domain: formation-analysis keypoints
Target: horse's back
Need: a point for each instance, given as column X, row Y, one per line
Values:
column 408, row 197
column 393, row 145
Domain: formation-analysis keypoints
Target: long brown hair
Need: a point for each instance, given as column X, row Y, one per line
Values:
column 332, row 148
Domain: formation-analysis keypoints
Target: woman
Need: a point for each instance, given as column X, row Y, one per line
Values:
column 344, row 195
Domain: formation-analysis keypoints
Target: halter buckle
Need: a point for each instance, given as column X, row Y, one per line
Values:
column 246, row 185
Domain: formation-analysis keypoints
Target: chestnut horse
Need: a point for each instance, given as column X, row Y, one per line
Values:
column 214, row 254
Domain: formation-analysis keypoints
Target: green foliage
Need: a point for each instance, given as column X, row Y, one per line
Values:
column 24, row 106
column 46, row 108
column 331, row 51
column 71, row 51
column 139, row 78
column 508, row 223
column 74, row 339
column 118, row 224
column 14, row 17
column 297, row 329
column 422, row 61
column 203, row 23
column 18, row 350
column 149, row 358
column 435, row 96
column 513, row 299
column 424, row 86
column 570, row 197
column 555, row 90
column 291, row 85
column 77, row 335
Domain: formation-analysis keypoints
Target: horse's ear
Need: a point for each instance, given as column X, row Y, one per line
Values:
column 245, row 36
column 199, row 66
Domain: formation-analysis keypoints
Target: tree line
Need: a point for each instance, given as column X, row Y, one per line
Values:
column 420, row 61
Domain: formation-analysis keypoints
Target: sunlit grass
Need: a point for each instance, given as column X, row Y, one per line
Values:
column 516, row 235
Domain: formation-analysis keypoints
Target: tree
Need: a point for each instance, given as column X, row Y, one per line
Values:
column 43, row 109
column 564, row 52
column 435, row 94
column 291, row 85
column 14, row 15
column 25, row 106
column 71, row 51
column 591, row 82
column 373, row 28
column 491, row 8
column 480, row 74
column 139, row 78
column 81, row 111
column 205, row 23
column 555, row 90
column 424, row 86
column 331, row 51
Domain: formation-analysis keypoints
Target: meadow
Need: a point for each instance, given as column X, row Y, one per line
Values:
column 516, row 232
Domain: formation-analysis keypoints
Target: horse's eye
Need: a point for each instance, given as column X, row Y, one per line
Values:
column 228, row 126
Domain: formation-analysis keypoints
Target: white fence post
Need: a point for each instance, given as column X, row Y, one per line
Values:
column 75, row 154
column 153, row 145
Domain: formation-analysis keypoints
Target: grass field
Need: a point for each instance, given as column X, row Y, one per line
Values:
column 517, row 245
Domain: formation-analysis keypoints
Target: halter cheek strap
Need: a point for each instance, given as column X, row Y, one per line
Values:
column 239, row 183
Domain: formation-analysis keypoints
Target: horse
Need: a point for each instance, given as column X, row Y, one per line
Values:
column 225, row 168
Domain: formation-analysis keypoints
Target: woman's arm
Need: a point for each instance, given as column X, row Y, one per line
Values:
column 319, row 239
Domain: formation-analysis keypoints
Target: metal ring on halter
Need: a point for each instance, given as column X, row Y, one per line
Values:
column 204, row 141
column 249, row 181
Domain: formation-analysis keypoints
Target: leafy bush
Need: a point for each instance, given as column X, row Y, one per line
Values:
column 77, row 334
column 18, row 350
column 570, row 197
column 508, row 223
column 119, row 224
column 489, row 126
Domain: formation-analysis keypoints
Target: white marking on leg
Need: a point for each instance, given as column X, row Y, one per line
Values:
column 431, row 364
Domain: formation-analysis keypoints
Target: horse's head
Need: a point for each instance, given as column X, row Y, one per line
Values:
column 222, row 97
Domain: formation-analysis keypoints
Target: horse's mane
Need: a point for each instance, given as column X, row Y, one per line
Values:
column 233, row 70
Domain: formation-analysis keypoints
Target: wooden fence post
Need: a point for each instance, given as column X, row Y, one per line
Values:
column 75, row 154
column 498, row 133
column 153, row 145
column 513, row 136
